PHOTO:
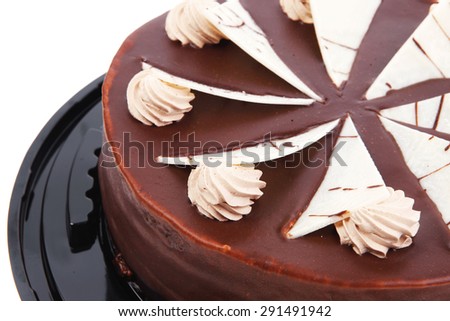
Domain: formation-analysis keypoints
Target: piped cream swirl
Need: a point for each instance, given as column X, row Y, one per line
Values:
column 390, row 224
column 186, row 23
column 225, row 192
column 297, row 10
column 155, row 102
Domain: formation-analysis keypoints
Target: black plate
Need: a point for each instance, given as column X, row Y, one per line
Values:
column 58, row 241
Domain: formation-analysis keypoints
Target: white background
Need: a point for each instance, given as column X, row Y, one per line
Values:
column 49, row 50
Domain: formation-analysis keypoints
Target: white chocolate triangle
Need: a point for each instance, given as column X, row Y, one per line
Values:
column 255, row 154
column 347, row 186
column 340, row 28
column 230, row 94
column 236, row 24
column 428, row 158
column 424, row 56
column 423, row 153
column 430, row 113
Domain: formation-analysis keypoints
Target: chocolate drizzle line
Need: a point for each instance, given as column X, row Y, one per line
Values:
column 428, row 57
column 438, row 115
column 434, row 172
column 338, row 44
column 440, row 26
column 416, row 109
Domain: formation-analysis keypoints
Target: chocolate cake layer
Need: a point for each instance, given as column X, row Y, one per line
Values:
column 187, row 256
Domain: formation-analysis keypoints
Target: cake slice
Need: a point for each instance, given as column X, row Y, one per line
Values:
column 226, row 93
column 430, row 113
column 351, row 182
column 237, row 25
column 263, row 152
column 424, row 56
column 340, row 29
column 428, row 157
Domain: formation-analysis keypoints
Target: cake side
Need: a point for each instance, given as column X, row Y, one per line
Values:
column 181, row 268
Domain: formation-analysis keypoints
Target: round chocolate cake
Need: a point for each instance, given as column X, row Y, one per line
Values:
column 283, row 150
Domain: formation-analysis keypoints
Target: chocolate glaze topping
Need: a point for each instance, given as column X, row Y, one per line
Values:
column 291, row 183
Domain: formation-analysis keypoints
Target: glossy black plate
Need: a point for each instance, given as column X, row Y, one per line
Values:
column 58, row 241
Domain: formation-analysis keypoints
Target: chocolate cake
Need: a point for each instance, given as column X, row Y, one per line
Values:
column 294, row 150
